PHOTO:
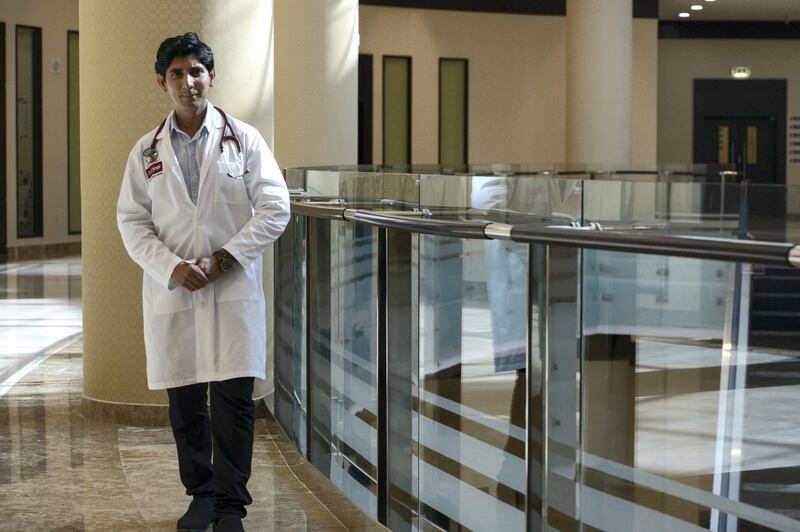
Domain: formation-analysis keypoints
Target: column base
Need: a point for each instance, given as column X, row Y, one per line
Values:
column 142, row 415
column 125, row 414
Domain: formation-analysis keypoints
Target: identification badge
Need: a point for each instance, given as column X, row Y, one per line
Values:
column 154, row 169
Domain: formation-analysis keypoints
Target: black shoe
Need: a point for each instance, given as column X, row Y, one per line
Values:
column 198, row 516
column 228, row 523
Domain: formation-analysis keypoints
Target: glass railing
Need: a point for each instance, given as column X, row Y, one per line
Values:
column 500, row 348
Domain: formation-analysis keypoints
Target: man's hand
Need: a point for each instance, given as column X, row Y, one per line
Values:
column 210, row 266
column 189, row 276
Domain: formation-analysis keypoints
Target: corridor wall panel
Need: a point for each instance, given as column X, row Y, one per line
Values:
column 516, row 83
column 517, row 80
column 55, row 18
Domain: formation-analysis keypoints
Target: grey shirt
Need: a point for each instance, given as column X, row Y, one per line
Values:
column 189, row 152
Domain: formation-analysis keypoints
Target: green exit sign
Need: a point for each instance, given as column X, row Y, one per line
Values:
column 740, row 72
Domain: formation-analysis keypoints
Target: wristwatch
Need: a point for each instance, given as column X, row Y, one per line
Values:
column 226, row 261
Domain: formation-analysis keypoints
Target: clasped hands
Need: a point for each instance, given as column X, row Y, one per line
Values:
column 195, row 274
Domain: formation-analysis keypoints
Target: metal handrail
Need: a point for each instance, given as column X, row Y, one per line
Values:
column 589, row 237
column 415, row 223
column 697, row 247
column 555, row 171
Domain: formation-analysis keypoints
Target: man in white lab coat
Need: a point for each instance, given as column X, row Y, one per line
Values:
column 201, row 198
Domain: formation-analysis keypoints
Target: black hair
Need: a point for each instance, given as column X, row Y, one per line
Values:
column 180, row 45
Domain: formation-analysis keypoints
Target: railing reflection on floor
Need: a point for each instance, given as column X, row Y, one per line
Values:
column 454, row 382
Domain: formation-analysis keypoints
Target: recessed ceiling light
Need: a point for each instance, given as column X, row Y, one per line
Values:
column 711, row 0
column 684, row 15
column 697, row 7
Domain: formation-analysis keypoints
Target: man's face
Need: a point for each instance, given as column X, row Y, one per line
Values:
column 187, row 83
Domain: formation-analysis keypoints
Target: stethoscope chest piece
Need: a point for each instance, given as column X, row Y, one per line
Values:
column 150, row 155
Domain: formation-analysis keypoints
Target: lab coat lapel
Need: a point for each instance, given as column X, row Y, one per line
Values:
column 168, row 157
column 172, row 170
column 211, row 150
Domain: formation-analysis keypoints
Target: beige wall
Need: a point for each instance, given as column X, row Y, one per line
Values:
column 683, row 60
column 55, row 18
column 517, row 75
column 517, row 80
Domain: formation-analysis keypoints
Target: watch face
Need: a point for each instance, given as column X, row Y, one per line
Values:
column 225, row 262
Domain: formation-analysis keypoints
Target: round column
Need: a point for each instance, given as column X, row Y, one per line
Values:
column 316, row 82
column 120, row 102
column 599, row 82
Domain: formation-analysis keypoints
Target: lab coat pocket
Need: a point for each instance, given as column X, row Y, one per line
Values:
column 239, row 284
column 231, row 189
column 171, row 301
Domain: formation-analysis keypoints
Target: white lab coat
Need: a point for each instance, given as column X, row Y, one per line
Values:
column 219, row 331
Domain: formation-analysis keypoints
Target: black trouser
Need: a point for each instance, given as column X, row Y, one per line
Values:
column 230, row 428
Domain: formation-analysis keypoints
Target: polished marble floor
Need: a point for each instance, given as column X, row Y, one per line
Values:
column 40, row 310
column 62, row 471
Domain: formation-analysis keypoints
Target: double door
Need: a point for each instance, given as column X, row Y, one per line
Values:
column 746, row 143
column 740, row 134
column 747, row 147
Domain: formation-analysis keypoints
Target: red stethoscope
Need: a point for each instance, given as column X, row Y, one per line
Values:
column 150, row 154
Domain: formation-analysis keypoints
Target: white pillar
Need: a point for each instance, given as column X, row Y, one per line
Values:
column 316, row 82
column 599, row 82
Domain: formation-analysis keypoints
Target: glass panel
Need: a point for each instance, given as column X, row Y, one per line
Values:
column 721, row 208
column 453, row 112
column 74, row 137
column 402, row 332
column 559, row 315
column 320, row 451
column 393, row 191
column 689, row 384
column 396, row 110
column 29, row 134
column 444, row 192
column 295, row 179
column 594, row 390
column 353, row 379
column 321, row 183
column 473, row 334
column 290, row 331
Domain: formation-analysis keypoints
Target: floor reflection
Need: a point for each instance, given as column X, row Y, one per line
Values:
column 40, row 304
column 60, row 471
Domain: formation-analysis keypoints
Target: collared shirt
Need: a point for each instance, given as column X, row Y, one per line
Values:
column 189, row 152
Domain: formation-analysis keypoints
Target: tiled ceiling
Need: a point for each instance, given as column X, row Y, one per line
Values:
column 783, row 10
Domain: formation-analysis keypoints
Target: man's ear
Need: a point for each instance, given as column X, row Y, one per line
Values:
column 161, row 82
column 211, row 76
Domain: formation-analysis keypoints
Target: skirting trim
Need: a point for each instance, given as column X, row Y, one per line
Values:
column 43, row 251
column 140, row 415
